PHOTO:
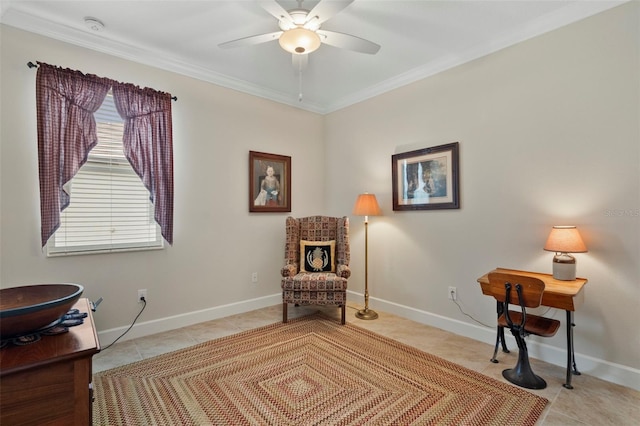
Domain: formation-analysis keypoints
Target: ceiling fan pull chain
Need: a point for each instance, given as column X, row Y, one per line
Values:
column 300, row 83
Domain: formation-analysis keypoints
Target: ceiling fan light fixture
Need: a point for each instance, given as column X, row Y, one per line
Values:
column 299, row 40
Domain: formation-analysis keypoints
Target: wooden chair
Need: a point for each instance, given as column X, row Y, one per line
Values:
column 525, row 292
column 316, row 262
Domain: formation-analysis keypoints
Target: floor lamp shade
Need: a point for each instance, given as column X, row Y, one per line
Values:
column 564, row 240
column 366, row 205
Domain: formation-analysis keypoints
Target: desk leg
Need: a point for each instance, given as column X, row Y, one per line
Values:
column 499, row 335
column 571, row 358
column 504, row 342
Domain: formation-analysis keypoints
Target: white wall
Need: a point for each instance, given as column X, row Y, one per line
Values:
column 217, row 242
column 549, row 135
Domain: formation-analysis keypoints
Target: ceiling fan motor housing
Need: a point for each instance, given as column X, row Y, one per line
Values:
column 299, row 19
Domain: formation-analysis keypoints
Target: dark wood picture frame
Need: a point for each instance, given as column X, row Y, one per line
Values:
column 269, row 182
column 426, row 179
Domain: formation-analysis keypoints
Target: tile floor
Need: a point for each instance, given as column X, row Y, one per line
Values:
column 591, row 402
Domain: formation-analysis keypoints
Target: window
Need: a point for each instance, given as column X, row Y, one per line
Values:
column 110, row 208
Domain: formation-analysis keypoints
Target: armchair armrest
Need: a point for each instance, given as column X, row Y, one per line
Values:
column 289, row 270
column 343, row 271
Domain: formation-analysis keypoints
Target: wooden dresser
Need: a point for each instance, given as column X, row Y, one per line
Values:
column 49, row 382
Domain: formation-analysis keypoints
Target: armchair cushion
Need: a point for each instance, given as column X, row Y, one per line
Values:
column 317, row 256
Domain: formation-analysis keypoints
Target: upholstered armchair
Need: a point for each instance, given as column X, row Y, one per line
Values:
column 316, row 262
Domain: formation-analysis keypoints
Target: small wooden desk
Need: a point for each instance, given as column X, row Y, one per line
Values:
column 567, row 295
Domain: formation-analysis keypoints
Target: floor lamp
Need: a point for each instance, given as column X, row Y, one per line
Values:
column 366, row 205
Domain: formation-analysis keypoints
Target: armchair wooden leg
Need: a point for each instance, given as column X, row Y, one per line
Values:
column 284, row 312
column 344, row 314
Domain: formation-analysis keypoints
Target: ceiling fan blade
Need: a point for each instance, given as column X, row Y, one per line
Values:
column 251, row 40
column 325, row 9
column 299, row 61
column 277, row 11
column 347, row 41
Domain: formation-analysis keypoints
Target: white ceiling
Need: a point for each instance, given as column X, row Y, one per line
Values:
column 418, row 38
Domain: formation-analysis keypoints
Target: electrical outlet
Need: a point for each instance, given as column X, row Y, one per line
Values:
column 142, row 293
column 254, row 277
column 453, row 293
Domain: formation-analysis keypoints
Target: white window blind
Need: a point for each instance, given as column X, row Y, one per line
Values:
column 110, row 208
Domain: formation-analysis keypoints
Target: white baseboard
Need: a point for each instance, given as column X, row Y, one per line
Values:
column 160, row 325
column 605, row 370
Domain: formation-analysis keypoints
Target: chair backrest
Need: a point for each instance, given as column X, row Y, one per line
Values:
column 532, row 289
column 317, row 228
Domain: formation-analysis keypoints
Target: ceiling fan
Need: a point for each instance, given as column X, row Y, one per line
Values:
column 300, row 32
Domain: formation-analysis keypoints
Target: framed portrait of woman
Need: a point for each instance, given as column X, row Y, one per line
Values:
column 269, row 182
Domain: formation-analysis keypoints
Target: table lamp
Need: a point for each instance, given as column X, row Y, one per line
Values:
column 366, row 205
column 564, row 240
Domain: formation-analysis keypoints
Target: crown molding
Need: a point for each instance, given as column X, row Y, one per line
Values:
column 569, row 14
column 146, row 56
column 14, row 14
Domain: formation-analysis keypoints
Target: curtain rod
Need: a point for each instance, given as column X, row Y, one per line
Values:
column 32, row 65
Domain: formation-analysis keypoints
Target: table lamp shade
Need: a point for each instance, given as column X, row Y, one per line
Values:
column 564, row 240
column 367, row 205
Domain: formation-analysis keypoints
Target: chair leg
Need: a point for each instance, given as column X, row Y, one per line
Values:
column 522, row 374
column 344, row 314
column 284, row 312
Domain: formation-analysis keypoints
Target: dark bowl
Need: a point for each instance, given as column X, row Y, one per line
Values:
column 24, row 310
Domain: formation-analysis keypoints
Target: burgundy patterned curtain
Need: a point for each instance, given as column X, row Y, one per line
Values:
column 65, row 102
column 148, row 145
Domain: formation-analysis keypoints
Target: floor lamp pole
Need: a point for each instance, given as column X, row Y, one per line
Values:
column 366, row 313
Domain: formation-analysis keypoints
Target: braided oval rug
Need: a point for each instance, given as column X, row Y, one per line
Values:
column 310, row 371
